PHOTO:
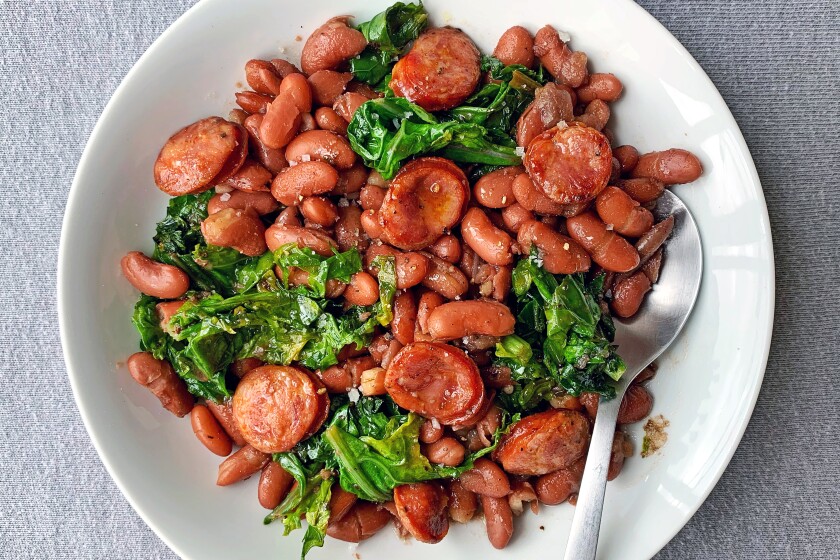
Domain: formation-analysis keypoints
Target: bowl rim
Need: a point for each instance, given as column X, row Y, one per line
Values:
column 74, row 202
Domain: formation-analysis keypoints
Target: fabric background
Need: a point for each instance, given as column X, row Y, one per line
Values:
column 777, row 64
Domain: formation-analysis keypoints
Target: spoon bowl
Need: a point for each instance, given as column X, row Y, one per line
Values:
column 640, row 339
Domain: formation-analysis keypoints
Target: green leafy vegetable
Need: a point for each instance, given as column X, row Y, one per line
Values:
column 340, row 266
column 388, row 33
column 562, row 341
column 385, row 132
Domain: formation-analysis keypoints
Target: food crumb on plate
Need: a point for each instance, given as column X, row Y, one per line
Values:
column 655, row 435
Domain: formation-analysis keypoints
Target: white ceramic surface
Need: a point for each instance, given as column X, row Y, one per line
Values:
column 708, row 381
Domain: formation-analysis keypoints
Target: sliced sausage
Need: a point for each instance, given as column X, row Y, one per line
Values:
column 276, row 406
column 544, row 442
column 439, row 72
column 458, row 319
column 435, row 380
column 427, row 197
column 421, row 508
column 571, row 164
column 200, row 156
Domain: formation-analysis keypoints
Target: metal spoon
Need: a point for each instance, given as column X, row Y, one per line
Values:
column 640, row 340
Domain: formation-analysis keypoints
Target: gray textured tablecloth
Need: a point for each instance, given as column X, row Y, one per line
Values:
column 777, row 64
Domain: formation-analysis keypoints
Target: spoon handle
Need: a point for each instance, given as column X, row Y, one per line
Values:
column 583, row 540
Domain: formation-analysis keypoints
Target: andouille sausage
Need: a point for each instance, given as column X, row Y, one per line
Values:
column 426, row 197
column 458, row 319
column 276, row 406
column 435, row 380
column 544, row 442
column 440, row 71
column 200, row 156
column 571, row 164
column 421, row 508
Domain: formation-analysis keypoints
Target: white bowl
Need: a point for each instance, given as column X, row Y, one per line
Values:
column 708, row 382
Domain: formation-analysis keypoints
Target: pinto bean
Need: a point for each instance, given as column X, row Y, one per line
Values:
column 458, row 319
column 252, row 177
column 296, row 88
column 371, row 197
column 655, row 237
column 629, row 293
column 307, row 122
column 319, row 210
column 405, row 318
column 427, row 197
column 274, row 484
column 569, row 165
column 671, row 167
column 421, row 508
column 261, row 202
column 362, row 290
column 462, row 502
column 340, row 378
column 321, row 145
column 552, row 104
column 330, row 120
column 241, row 367
column 489, row 242
column 237, row 116
column 440, row 71
column 330, row 45
column 284, row 67
column 445, row 451
column 165, row 310
column 495, row 190
column 486, row 478
column 560, row 254
column 596, row 115
column 348, row 229
column 154, row 278
column 514, row 216
column 327, row 85
column 605, row 87
column 444, row 278
column 241, row 465
column 240, row 229
column 159, row 378
column 341, row 502
column 293, row 184
column 347, row 103
column 430, row 431
column 498, row 519
column 532, row 200
column 429, row 301
column 288, row 217
column 522, row 492
column 281, row 121
column 556, row 487
column 515, row 46
column 224, row 414
column 373, row 382
column 566, row 66
column 447, row 247
column 652, row 265
column 253, row 102
column 627, row 157
column 272, row 159
column 607, row 248
column 263, row 77
column 621, row 449
column 209, row 432
column 643, row 189
column 618, row 209
column 362, row 522
column 351, row 180
column 636, row 405
column 412, row 268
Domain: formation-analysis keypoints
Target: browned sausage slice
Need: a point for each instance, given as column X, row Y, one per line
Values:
column 544, row 442
column 435, row 380
column 200, row 155
column 426, row 197
column 421, row 508
column 276, row 407
column 439, row 72
column 571, row 164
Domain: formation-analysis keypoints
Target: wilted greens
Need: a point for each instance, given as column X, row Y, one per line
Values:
column 562, row 341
